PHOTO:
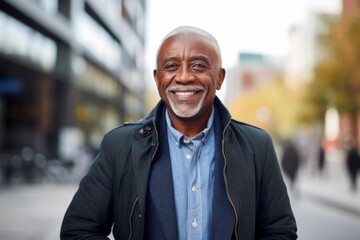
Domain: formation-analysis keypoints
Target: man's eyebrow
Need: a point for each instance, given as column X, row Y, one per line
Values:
column 193, row 58
column 201, row 58
column 169, row 59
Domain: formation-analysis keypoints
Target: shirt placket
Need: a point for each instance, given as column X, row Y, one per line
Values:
column 194, row 191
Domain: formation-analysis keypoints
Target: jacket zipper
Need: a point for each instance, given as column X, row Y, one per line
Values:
column 131, row 215
column 226, row 182
column 155, row 144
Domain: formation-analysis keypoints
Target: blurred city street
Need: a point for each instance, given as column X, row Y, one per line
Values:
column 324, row 207
column 33, row 211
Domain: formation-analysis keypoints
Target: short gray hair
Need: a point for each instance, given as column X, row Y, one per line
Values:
column 196, row 31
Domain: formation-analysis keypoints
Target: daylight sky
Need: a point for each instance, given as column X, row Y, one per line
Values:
column 259, row 26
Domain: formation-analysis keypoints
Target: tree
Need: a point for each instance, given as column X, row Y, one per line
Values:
column 272, row 106
column 337, row 75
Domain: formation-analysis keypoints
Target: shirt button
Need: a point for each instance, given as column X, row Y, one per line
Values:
column 194, row 223
column 188, row 156
column 186, row 141
column 193, row 189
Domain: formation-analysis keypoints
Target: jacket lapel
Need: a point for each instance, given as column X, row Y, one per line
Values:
column 223, row 220
column 160, row 193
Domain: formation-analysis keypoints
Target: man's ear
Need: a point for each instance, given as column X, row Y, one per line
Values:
column 221, row 75
column 155, row 76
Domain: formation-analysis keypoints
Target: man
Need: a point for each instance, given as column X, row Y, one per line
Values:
column 290, row 162
column 352, row 162
column 186, row 171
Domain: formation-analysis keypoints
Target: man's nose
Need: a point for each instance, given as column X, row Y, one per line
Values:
column 184, row 75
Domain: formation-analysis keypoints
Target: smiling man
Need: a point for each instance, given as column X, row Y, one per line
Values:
column 188, row 74
column 187, row 170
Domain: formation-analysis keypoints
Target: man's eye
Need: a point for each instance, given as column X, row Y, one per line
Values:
column 171, row 67
column 198, row 67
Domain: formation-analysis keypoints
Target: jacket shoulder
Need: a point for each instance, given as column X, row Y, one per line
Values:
column 248, row 129
column 126, row 127
column 129, row 129
column 249, row 135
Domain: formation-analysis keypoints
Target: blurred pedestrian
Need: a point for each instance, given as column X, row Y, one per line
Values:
column 187, row 170
column 290, row 162
column 352, row 163
column 321, row 160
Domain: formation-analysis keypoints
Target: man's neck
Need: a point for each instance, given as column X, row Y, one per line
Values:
column 190, row 127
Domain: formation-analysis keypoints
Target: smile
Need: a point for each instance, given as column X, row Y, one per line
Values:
column 185, row 90
column 185, row 93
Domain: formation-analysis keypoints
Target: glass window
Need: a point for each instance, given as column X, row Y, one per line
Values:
column 94, row 80
column 49, row 6
column 29, row 43
column 97, row 41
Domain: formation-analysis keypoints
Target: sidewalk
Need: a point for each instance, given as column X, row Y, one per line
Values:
column 332, row 188
column 33, row 211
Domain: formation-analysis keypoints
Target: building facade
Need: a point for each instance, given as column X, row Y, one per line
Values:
column 304, row 50
column 350, row 7
column 70, row 70
column 251, row 71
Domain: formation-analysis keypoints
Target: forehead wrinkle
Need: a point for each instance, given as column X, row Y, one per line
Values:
column 172, row 53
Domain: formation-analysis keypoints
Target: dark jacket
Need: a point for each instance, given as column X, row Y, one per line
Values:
column 353, row 160
column 290, row 161
column 250, row 197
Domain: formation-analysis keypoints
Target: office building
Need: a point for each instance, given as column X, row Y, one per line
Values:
column 70, row 70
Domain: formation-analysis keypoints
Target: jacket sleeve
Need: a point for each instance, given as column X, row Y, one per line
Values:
column 90, row 213
column 275, row 217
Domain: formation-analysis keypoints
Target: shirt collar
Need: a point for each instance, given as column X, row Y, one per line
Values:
column 178, row 136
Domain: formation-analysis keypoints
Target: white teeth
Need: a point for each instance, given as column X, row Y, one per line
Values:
column 184, row 93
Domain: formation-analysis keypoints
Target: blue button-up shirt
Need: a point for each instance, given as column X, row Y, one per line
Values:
column 192, row 163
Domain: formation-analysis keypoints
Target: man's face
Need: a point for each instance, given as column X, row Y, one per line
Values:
column 188, row 74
